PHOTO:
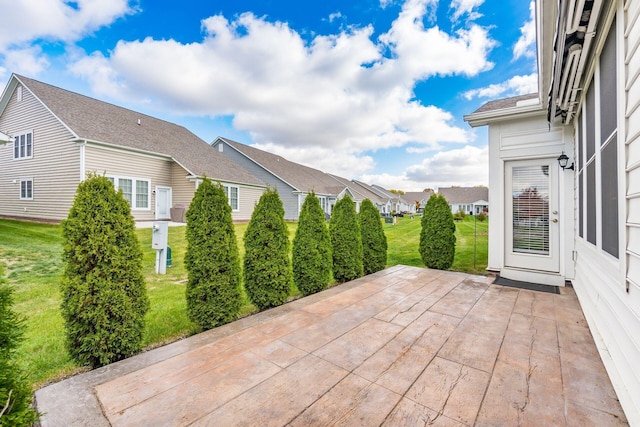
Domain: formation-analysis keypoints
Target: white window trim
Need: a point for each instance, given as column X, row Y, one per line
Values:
column 16, row 139
column 26, row 180
column 133, row 190
column 227, row 189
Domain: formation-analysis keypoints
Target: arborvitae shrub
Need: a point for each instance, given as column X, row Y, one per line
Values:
column 104, row 298
column 437, row 238
column 212, row 259
column 346, row 242
column 311, row 249
column 267, row 266
column 374, row 241
column 16, row 394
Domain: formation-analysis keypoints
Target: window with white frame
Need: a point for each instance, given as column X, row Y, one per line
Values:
column 134, row 190
column 232, row 196
column 26, row 189
column 23, row 145
column 597, row 156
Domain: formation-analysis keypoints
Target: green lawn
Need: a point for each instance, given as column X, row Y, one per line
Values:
column 30, row 253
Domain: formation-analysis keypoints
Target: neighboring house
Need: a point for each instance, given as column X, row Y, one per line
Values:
column 470, row 200
column 396, row 202
column 55, row 137
column 293, row 181
column 580, row 222
column 380, row 202
column 419, row 198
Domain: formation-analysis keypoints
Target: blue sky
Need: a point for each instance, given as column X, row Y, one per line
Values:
column 373, row 90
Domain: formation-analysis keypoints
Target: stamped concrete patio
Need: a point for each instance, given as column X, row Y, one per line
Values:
column 403, row 347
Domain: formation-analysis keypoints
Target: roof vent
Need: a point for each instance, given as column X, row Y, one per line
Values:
column 139, row 122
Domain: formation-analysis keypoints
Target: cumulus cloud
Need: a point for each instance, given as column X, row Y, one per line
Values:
column 517, row 85
column 465, row 166
column 341, row 92
column 526, row 44
column 462, row 7
column 52, row 21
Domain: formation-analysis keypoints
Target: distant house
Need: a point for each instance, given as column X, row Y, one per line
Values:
column 419, row 198
column 397, row 203
column 293, row 181
column 51, row 138
column 470, row 200
column 564, row 179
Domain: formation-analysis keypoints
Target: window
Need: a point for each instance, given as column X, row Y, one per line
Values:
column 142, row 194
column 135, row 191
column 232, row 197
column 597, row 158
column 23, row 146
column 26, row 189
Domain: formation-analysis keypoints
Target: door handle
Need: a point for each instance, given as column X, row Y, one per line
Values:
column 554, row 220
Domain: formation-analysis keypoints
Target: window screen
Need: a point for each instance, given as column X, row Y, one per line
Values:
column 608, row 99
column 591, row 202
column 590, row 121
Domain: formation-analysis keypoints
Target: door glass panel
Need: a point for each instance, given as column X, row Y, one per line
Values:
column 162, row 202
column 530, row 193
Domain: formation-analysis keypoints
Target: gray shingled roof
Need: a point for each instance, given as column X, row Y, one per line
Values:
column 461, row 195
column 417, row 195
column 98, row 121
column 501, row 104
column 302, row 178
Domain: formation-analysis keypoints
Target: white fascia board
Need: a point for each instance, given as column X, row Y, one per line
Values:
column 487, row 117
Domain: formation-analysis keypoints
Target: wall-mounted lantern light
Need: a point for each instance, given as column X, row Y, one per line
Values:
column 563, row 160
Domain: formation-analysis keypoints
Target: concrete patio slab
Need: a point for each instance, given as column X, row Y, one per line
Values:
column 402, row 347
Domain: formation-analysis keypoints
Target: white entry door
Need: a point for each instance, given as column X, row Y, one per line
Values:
column 163, row 202
column 532, row 230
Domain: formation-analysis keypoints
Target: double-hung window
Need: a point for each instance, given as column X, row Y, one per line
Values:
column 135, row 191
column 232, row 197
column 26, row 189
column 23, row 145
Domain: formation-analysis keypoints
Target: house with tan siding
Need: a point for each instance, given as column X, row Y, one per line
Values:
column 51, row 138
column 564, row 177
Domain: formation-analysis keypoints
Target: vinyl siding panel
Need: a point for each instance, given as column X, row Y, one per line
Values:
column 129, row 164
column 249, row 197
column 285, row 191
column 182, row 188
column 54, row 167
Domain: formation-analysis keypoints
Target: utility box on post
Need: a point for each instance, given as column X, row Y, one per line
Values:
column 159, row 240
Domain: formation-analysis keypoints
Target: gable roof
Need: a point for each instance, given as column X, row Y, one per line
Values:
column 418, row 195
column 302, row 178
column 464, row 195
column 516, row 106
column 97, row 121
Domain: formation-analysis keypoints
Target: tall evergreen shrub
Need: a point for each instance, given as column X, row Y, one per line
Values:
column 437, row 237
column 16, row 394
column 346, row 241
column 311, row 249
column 212, row 259
column 374, row 241
column 267, row 266
column 104, row 298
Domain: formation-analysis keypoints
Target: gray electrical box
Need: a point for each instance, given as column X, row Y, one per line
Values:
column 159, row 240
column 160, row 235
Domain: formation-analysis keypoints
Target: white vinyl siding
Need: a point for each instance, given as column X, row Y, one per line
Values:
column 54, row 165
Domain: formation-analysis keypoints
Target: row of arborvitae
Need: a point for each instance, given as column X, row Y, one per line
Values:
column 437, row 237
column 269, row 270
column 104, row 295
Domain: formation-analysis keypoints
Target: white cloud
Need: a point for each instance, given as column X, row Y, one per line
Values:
column 467, row 166
column 334, row 16
column 342, row 93
column 32, row 21
column 526, row 44
column 461, row 7
column 517, row 85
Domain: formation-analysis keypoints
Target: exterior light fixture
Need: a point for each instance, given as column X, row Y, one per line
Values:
column 563, row 160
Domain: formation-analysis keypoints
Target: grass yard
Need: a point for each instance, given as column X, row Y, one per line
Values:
column 30, row 254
